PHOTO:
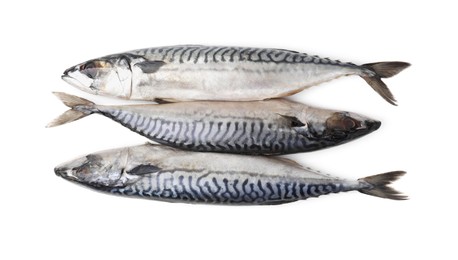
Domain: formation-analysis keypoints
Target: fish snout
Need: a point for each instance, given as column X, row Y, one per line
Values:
column 69, row 70
column 345, row 126
column 66, row 76
column 373, row 125
column 61, row 171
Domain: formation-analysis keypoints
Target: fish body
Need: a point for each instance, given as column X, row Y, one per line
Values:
column 164, row 173
column 196, row 72
column 257, row 127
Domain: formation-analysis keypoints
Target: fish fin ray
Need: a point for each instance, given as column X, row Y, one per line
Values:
column 80, row 108
column 386, row 69
column 67, row 117
column 71, row 101
column 380, row 87
column 150, row 66
column 380, row 186
column 143, row 169
column 381, row 70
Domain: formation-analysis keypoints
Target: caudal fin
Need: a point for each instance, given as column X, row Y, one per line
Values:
column 80, row 108
column 380, row 186
column 383, row 70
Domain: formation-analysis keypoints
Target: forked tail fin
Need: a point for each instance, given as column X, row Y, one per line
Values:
column 80, row 108
column 383, row 70
column 380, row 184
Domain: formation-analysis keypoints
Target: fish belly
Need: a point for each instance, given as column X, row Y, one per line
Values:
column 226, row 81
column 215, row 133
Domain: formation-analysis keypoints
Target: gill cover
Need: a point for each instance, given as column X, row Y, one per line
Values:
column 108, row 76
column 102, row 170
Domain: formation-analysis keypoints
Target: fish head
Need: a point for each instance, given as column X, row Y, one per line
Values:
column 102, row 170
column 331, row 127
column 107, row 76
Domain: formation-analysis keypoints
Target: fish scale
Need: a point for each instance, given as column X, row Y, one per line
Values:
column 194, row 72
column 205, row 54
column 228, row 187
column 262, row 127
column 200, row 133
column 163, row 173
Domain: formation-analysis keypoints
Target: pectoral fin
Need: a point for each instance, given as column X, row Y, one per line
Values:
column 161, row 101
column 143, row 169
column 293, row 121
column 289, row 162
column 150, row 66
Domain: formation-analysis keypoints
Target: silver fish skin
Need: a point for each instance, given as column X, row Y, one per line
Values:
column 168, row 174
column 196, row 72
column 269, row 127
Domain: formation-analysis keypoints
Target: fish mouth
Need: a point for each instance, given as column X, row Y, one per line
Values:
column 67, row 78
column 373, row 125
column 69, row 70
column 61, row 171
column 76, row 83
column 370, row 126
column 72, row 81
column 338, row 136
column 65, row 173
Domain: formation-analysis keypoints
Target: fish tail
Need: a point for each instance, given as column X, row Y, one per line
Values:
column 378, row 185
column 80, row 108
column 383, row 70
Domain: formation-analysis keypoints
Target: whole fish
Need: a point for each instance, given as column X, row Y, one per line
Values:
column 164, row 173
column 257, row 127
column 195, row 72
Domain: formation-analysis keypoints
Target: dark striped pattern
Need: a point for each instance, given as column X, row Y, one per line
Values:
column 217, row 54
column 225, row 188
column 244, row 135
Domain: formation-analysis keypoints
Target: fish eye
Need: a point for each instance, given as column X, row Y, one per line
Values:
column 87, row 65
column 90, row 69
column 91, row 73
column 96, row 64
column 348, row 123
column 83, row 168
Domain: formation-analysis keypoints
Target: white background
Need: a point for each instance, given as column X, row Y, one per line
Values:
column 43, row 216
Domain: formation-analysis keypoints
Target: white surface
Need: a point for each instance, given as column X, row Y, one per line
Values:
column 44, row 216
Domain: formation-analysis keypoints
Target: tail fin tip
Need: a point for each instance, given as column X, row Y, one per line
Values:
column 380, row 184
column 71, row 100
column 73, row 113
column 380, row 87
column 383, row 70
column 386, row 69
column 67, row 117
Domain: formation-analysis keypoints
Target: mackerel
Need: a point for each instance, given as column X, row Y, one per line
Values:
column 167, row 174
column 275, row 126
column 196, row 72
